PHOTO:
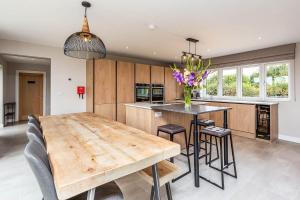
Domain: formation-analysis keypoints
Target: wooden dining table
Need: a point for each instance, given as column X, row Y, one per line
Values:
column 86, row 151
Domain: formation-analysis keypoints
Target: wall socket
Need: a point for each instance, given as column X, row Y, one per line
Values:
column 157, row 114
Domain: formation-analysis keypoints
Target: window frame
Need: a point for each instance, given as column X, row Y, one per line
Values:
column 262, row 86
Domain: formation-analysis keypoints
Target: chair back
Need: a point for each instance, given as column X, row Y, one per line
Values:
column 34, row 134
column 37, row 158
column 33, row 117
column 33, row 122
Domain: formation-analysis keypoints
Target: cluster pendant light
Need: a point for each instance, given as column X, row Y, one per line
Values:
column 84, row 45
column 193, row 56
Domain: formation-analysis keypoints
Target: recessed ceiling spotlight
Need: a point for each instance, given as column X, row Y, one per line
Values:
column 259, row 38
column 154, row 53
column 127, row 47
column 151, row 27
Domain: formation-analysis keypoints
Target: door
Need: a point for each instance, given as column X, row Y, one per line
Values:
column 30, row 95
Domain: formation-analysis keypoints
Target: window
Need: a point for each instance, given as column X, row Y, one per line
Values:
column 250, row 81
column 229, row 82
column 277, row 80
column 212, row 83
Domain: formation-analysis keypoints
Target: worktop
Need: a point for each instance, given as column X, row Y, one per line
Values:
column 236, row 101
column 150, row 106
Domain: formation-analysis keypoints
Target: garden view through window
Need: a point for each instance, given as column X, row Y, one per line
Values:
column 229, row 82
column 277, row 80
column 212, row 83
column 250, row 82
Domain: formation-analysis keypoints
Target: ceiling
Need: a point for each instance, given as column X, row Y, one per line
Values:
column 222, row 26
column 25, row 59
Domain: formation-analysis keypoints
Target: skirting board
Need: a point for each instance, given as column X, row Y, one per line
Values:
column 289, row 138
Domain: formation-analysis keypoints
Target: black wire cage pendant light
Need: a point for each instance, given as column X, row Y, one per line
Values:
column 84, row 45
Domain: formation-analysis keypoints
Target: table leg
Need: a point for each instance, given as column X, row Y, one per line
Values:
column 196, row 152
column 91, row 194
column 155, row 182
column 225, row 140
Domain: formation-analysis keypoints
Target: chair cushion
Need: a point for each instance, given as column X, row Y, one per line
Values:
column 171, row 128
column 204, row 122
column 216, row 131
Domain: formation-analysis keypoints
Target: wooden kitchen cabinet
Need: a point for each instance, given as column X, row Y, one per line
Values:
column 125, row 88
column 89, row 86
column 142, row 73
column 157, row 75
column 105, row 88
column 170, row 85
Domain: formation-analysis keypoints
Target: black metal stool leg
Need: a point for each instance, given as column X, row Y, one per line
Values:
column 152, row 193
column 205, row 138
column 172, row 139
column 233, row 158
column 216, row 142
column 169, row 192
column 157, row 132
column 221, row 161
column 186, row 144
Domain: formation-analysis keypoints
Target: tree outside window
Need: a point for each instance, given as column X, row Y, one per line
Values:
column 250, row 82
column 277, row 81
column 212, row 83
column 229, row 82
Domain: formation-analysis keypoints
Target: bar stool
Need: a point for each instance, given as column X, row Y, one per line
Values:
column 173, row 129
column 220, row 133
column 203, row 123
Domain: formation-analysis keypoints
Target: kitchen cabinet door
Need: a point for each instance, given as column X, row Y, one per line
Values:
column 105, row 81
column 170, row 85
column 157, row 75
column 142, row 73
column 89, row 86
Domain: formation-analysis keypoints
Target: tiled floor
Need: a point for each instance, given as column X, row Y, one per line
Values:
column 265, row 172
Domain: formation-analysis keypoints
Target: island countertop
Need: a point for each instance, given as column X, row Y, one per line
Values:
column 236, row 101
column 150, row 106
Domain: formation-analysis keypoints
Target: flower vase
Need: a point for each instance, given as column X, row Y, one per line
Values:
column 187, row 98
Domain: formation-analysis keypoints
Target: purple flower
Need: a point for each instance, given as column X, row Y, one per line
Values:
column 191, row 79
column 178, row 76
column 204, row 76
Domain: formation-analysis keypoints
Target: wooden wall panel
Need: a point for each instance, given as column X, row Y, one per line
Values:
column 142, row 73
column 157, row 75
column 274, row 122
column 89, row 86
column 170, row 85
column 105, row 81
column 107, row 111
column 125, row 82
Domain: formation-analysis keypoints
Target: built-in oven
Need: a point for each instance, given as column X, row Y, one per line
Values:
column 157, row 93
column 142, row 92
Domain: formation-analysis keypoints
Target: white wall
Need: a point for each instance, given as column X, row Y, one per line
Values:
column 289, row 112
column 63, row 92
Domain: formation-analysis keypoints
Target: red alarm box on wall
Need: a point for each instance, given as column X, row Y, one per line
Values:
column 80, row 91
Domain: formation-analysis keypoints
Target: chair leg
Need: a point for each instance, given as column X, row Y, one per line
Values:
column 152, row 193
column 169, row 192
column 233, row 158
column 210, row 149
column 157, row 133
column 188, row 152
column 221, row 161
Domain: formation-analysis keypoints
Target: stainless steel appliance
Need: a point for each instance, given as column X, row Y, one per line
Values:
column 142, row 92
column 157, row 93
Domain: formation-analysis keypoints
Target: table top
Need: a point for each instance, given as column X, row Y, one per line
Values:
column 86, row 151
column 194, row 110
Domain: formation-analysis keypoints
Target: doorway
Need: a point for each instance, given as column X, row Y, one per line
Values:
column 31, row 94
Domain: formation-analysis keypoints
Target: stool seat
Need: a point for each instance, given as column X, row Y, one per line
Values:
column 204, row 122
column 216, row 131
column 171, row 128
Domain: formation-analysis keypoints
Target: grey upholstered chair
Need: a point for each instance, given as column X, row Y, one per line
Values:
column 38, row 161
column 34, row 134
column 34, row 123
column 32, row 117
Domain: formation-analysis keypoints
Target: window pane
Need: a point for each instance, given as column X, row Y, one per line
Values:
column 229, row 82
column 212, row 84
column 277, row 80
column 250, row 82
